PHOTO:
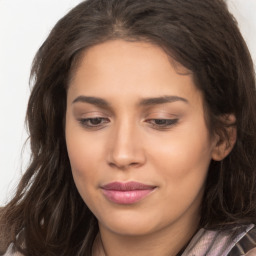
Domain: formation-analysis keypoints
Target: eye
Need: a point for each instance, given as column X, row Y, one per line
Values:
column 95, row 122
column 162, row 123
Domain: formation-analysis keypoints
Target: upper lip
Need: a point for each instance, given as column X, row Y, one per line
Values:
column 127, row 186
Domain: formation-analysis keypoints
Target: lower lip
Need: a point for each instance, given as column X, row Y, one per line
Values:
column 126, row 197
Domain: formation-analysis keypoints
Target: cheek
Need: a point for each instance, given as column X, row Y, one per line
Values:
column 82, row 162
column 82, row 149
column 183, row 160
column 83, row 159
column 182, row 166
column 183, row 153
column 79, row 153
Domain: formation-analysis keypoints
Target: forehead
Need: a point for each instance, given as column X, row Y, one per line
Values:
column 131, row 53
column 130, row 68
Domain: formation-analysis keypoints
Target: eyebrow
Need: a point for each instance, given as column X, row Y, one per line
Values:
column 144, row 102
column 92, row 100
column 161, row 100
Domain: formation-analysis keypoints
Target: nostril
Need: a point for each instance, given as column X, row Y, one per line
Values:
column 112, row 165
column 123, row 166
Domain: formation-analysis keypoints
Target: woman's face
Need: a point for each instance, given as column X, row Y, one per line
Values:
column 137, row 140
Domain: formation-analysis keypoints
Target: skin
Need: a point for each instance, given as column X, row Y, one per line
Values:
column 126, row 143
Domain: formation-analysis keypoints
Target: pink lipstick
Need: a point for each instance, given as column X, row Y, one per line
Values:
column 126, row 193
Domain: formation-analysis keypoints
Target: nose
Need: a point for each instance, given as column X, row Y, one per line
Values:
column 125, row 146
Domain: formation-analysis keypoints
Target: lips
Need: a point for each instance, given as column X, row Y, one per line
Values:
column 126, row 193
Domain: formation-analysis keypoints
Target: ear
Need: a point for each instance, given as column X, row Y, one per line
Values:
column 224, row 143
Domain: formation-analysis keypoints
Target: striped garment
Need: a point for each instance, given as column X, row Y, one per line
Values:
column 223, row 243
column 214, row 243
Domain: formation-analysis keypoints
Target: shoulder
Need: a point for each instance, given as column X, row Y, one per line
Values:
column 246, row 244
column 241, row 241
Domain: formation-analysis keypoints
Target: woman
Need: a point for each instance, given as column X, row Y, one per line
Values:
column 142, row 125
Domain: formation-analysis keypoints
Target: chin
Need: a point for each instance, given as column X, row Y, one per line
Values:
column 130, row 224
column 130, row 229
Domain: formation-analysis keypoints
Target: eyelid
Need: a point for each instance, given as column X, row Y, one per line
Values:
column 92, row 114
column 162, row 123
column 85, row 122
column 160, row 115
column 93, row 120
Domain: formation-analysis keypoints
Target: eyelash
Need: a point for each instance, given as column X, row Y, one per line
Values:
column 87, row 122
column 157, row 123
column 162, row 123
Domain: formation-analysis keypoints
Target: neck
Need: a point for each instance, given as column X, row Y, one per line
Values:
column 166, row 242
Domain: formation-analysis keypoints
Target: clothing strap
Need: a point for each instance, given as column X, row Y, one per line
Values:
column 223, row 243
column 246, row 246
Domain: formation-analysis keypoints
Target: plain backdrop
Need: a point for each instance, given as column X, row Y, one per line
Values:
column 24, row 25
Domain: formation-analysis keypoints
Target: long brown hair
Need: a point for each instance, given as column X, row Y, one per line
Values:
column 47, row 215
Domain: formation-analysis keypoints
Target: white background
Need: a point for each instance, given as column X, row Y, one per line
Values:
column 24, row 24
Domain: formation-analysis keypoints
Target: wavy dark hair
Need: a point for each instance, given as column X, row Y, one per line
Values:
column 47, row 215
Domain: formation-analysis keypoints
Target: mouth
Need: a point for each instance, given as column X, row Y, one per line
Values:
column 126, row 193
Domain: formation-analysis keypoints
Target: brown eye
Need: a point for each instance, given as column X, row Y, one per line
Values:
column 93, row 122
column 162, row 123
